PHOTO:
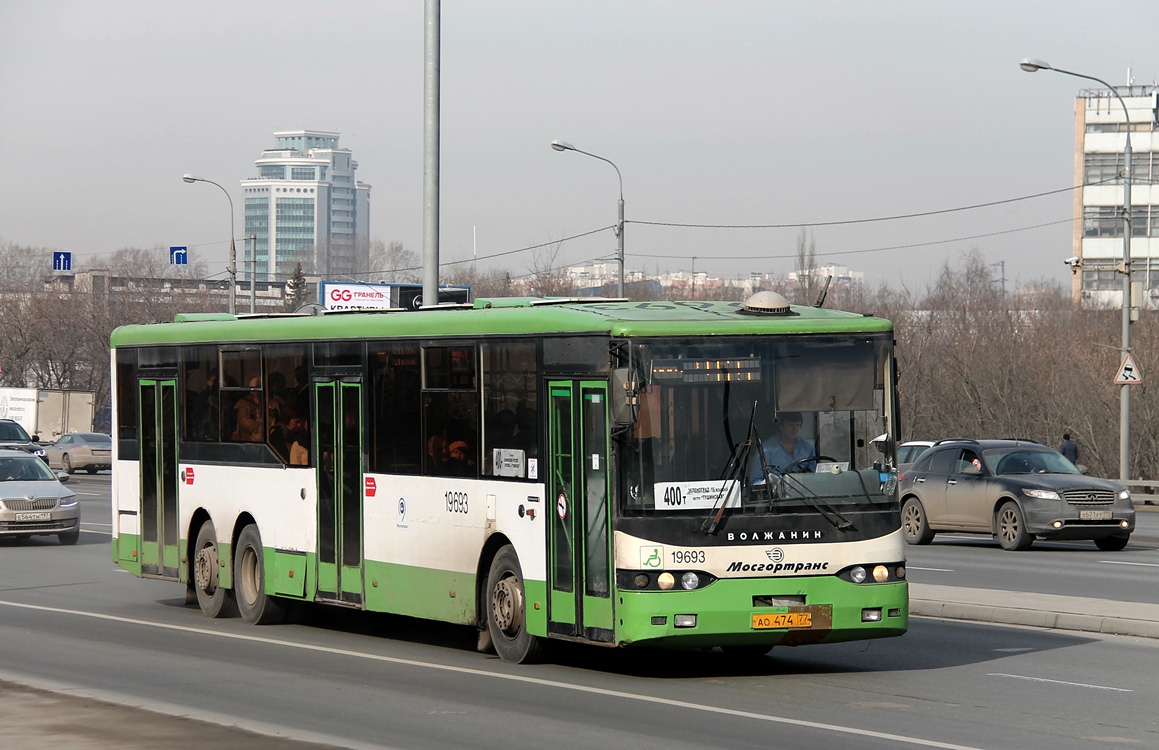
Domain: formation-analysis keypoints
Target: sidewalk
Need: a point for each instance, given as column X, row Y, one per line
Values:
column 1038, row 610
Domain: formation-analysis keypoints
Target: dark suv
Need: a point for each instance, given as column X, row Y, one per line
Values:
column 1014, row 490
column 13, row 435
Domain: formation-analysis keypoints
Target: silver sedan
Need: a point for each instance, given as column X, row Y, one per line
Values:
column 91, row 451
column 33, row 500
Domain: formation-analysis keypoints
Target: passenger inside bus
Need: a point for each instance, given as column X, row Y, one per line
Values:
column 249, row 415
column 298, row 438
column 438, row 455
column 460, row 462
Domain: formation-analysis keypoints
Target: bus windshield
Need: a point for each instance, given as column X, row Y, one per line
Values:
column 759, row 425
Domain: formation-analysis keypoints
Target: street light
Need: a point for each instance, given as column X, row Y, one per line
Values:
column 232, row 249
column 565, row 146
column 1032, row 66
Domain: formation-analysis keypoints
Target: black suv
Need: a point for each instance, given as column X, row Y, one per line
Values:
column 1014, row 490
column 13, row 435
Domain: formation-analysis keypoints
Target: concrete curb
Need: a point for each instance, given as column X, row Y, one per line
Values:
column 1036, row 610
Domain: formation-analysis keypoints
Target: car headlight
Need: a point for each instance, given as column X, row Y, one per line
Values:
column 1125, row 495
column 1042, row 494
column 68, row 502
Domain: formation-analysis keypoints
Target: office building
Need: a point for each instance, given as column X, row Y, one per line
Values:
column 306, row 206
column 1099, row 167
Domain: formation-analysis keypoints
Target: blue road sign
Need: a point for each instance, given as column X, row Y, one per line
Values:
column 179, row 256
column 61, row 261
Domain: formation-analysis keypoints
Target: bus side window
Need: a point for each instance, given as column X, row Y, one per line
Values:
column 510, row 417
column 397, row 445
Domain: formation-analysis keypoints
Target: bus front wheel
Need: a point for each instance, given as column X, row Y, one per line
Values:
column 507, row 610
column 213, row 600
column 249, row 581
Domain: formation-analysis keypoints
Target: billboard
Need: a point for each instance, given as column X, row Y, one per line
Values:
column 346, row 295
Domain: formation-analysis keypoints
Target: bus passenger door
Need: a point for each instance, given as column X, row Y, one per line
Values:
column 158, row 467
column 579, row 551
column 338, row 426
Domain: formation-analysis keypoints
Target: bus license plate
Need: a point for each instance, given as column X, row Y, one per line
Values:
column 33, row 516
column 1095, row 515
column 783, row 620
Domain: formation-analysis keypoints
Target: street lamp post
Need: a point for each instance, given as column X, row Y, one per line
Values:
column 232, row 249
column 1032, row 66
column 565, row 146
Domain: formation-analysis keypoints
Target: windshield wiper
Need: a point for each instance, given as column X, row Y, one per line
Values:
column 827, row 511
column 734, row 470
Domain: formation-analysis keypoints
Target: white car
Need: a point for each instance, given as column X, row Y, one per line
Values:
column 908, row 452
column 33, row 500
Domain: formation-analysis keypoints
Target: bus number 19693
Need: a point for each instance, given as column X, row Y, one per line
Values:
column 456, row 502
column 688, row 557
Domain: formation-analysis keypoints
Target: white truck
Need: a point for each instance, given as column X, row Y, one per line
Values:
column 48, row 414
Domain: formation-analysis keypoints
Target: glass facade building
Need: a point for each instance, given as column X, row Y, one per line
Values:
column 306, row 206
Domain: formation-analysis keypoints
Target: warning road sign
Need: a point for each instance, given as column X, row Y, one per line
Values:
column 1128, row 373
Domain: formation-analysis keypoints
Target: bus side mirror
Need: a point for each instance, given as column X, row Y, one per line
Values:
column 625, row 396
column 884, row 444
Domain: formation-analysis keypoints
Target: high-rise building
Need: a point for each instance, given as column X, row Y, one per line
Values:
column 306, row 206
column 1099, row 166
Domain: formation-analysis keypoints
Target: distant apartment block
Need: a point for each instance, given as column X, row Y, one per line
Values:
column 1099, row 166
column 306, row 206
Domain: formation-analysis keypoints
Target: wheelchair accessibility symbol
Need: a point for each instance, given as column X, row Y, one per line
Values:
column 651, row 557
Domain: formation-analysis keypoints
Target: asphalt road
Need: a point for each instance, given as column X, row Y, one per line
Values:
column 70, row 621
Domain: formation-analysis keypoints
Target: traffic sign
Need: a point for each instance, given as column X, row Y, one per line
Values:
column 179, row 256
column 1128, row 373
column 61, row 261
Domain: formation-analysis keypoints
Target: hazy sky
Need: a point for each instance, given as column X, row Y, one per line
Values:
column 715, row 113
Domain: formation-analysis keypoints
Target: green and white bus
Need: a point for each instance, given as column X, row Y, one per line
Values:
column 585, row 470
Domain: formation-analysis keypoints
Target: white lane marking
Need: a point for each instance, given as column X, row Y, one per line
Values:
column 1060, row 682
column 510, row 677
column 1124, row 562
column 936, row 570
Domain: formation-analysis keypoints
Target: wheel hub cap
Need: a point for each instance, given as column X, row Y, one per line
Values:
column 205, row 569
column 507, row 605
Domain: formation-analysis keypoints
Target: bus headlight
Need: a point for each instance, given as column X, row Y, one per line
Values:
column 880, row 573
column 689, row 581
column 857, row 574
column 665, row 581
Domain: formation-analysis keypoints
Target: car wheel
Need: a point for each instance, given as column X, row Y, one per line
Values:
column 1112, row 543
column 914, row 526
column 91, row 469
column 67, row 463
column 69, row 537
column 1012, row 533
column 249, row 581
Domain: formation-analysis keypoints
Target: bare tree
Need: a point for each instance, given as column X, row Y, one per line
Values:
column 548, row 278
column 808, row 285
column 394, row 264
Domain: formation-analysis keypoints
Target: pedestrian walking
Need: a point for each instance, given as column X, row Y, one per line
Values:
column 1069, row 449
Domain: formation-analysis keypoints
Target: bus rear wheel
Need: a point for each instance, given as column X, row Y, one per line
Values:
column 507, row 610
column 249, row 581
column 213, row 600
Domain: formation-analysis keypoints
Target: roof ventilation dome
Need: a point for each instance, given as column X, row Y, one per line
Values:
column 766, row 303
